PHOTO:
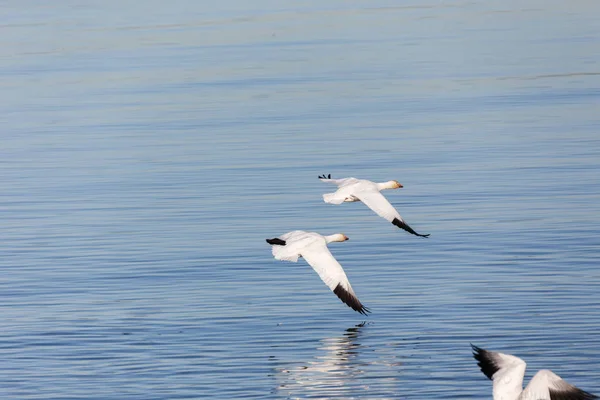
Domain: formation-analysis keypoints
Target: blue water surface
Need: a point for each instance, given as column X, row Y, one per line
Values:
column 149, row 149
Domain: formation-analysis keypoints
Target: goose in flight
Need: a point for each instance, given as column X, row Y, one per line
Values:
column 507, row 372
column 313, row 247
column 352, row 189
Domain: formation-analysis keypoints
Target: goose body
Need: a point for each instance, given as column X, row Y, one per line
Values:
column 352, row 189
column 507, row 372
column 313, row 248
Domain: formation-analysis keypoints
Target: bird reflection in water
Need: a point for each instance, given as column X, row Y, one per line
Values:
column 340, row 370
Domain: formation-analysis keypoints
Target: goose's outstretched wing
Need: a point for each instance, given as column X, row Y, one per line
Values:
column 505, row 371
column 338, row 182
column 546, row 385
column 382, row 207
column 331, row 272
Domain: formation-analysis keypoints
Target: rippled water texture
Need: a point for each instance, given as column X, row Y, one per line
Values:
column 148, row 149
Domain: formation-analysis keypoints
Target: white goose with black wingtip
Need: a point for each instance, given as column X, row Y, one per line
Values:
column 507, row 372
column 352, row 189
column 313, row 248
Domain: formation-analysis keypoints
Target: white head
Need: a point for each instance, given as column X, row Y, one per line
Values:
column 338, row 237
column 389, row 185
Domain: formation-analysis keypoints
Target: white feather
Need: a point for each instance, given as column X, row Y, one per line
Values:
column 333, row 198
column 341, row 182
column 508, row 379
column 313, row 247
column 378, row 203
column 352, row 189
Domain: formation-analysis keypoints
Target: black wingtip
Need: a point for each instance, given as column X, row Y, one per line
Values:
column 476, row 350
column 350, row 300
column 404, row 225
column 325, row 176
column 572, row 393
column 484, row 361
column 276, row 241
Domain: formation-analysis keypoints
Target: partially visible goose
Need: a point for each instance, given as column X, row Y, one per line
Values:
column 507, row 372
column 313, row 247
column 352, row 189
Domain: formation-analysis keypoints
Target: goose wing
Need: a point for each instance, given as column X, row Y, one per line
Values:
column 546, row 385
column 287, row 247
column 338, row 182
column 382, row 207
column 330, row 271
column 505, row 371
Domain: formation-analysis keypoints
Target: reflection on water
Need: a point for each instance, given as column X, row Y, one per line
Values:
column 342, row 368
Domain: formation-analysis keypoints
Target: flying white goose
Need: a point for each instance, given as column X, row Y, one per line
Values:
column 507, row 372
column 352, row 189
column 313, row 247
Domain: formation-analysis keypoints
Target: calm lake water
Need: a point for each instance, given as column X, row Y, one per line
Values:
column 149, row 148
